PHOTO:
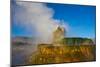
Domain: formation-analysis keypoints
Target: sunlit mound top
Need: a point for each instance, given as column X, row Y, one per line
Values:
column 59, row 28
column 58, row 35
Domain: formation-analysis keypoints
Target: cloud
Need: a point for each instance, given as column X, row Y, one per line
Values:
column 37, row 17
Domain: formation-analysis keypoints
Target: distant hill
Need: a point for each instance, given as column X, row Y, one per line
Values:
column 77, row 41
column 22, row 40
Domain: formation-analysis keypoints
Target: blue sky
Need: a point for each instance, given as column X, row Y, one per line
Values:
column 80, row 20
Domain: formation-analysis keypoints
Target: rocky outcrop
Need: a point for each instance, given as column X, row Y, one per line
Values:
column 60, row 54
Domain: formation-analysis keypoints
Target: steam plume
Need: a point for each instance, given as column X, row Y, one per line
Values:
column 37, row 17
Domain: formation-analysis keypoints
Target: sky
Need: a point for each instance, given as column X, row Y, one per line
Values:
column 35, row 19
column 80, row 19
